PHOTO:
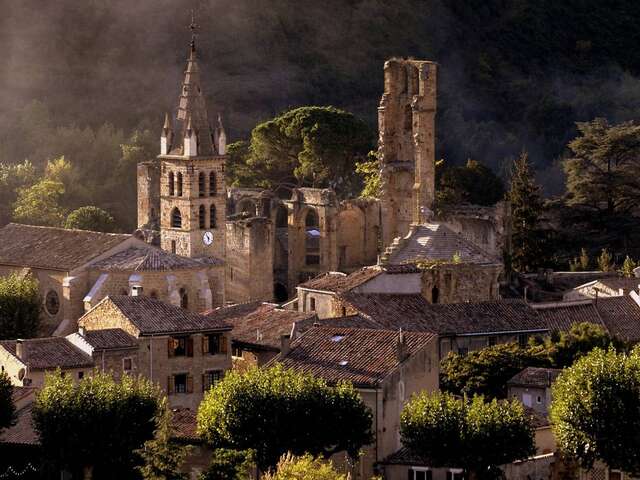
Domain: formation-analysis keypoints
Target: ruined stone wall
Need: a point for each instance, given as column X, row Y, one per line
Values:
column 406, row 150
column 249, row 265
column 148, row 177
column 459, row 283
column 357, row 234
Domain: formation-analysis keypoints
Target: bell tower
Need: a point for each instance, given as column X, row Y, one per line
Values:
column 192, row 185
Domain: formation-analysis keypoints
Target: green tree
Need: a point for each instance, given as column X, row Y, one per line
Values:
column 97, row 424
column 90, row 218
column 227, row 464
column 308, row 146
column 274, row 411
column 565, row 347
column 473, row 183
column 602, row 172
column 584, row 260
column 7, row 408
column 486, row 371
column 628, row 266
column 526, row 208
column 605, row 261
column 454, row 432
column 20, row 306
column 369, row 170
column 39, row 204
column 12, row 178
column 595, row 414
column 304, row 467
column 161, row 455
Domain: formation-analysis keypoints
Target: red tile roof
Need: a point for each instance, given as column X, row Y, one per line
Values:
column 22, row 432
column 535, row 377
column 338, row 282
column 361, row 356
column 53, row 248
column 414, row 313
column 110, row 338
column 621, row 316
column 184, row 425
column 51, row 352
column 146, row 259
column 561, row 316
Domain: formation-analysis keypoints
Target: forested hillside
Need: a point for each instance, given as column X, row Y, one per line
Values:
column 514, row 74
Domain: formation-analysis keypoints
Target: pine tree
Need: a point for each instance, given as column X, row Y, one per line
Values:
column 628, row 266
column 526, row 208
column 584, row 260
column 604, row 261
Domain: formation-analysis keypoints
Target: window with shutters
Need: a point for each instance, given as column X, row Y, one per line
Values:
column 214, row 344
column 210, row 379
column 127, row 364
column 420, row 473
column 180, row 347
column 181, row 383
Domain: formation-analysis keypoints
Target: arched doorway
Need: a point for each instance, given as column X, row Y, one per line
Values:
column 280, row 293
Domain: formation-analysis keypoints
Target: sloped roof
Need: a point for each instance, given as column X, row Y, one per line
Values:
column 152, row 316
column 261, row 324
column 22, row 432
column 53, row 248
column 563, row 315
column 184, row 425
column 414, row 313
column 621, row 317
column 535, row 377
column 146, row 259
column 437, row 242
column 110, row 338
column 338, row 282
column 614, row 283
column 361, row 356
column 50, row 352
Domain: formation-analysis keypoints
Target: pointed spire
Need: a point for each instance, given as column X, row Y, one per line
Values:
column 167, row 123
column 166, row 138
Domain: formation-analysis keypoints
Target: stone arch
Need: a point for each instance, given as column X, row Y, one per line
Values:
column 202, row 221
column 172, row 184
column 213, row 189
column 312, row 237
column 179, row 184
column 176, row 218
column 246, row 205
column 282, row 217
column 212, row 215
column 201, row 185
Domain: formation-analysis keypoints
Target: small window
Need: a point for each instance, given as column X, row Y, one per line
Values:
column 172, row 185
column 493, row 340
column 210, row 379
column 463, row 351
column 417, row 473
column 201, row 185
column 312, row 240
column 523, row 339
column 153, row 294
column 212, row 184
column 184, row 298
column 538, row 399
column 180, row 383
column 173, row 246
column 201, row 217
column 179, row 184
column 212, row 216
column 176, row 218
column 236, row 352
column 180, row 347
column 455, row 474
column 80, row 375
column 312, row 304
column 52, row 303
column 214, row 344
column 435, row 295
column 127, row 365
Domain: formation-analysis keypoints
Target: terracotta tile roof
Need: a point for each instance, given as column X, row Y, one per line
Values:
column 53, row 248
column 538, row 419
column 404, row 456
column 22, row 432
column 337, row 282
column 151, row 316
column 349, row 321
column 561, row 316
column 110, row 338
column 20, row 394
column 184, row 425
column 535, row 377
column 437, row 242
column 50, row 352
column 415, row 313
column 621, row 317
column 262, row 324
column 145, row 259
column 361, row 356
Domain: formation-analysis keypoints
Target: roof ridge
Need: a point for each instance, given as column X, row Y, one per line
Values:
column 46, row 227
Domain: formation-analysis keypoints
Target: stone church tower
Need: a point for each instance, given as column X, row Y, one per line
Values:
column 192, row 185
column 406, row 122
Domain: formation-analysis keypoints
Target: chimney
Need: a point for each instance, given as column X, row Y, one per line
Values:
column 81, row 331
column 136, row 291
column 401, row 347
column 285, row 343
column 21, row 350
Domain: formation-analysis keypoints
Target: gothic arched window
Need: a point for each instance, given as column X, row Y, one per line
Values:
column 172, row 186
column 435, row 295
column 212, row 216
column 184, row 298
column 201, row 184
column 176, row 218
column 179, row 182
column 212, row 184
column 312, row 239
column 201, row 219
column 282, row 217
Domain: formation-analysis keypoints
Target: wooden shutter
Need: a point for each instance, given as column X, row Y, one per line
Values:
column 205, row 344
column 204, row 388
column 170, row 384
column 189, row 343
column 169, row 347
column 189, row 384
column 223, row 344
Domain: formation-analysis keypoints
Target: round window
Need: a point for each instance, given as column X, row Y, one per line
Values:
column 52, row 302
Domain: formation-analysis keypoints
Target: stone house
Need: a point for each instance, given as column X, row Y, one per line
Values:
column 385, row 366
column 186, row 353
column 603, row 287
column 532, row 387
column 258, row 329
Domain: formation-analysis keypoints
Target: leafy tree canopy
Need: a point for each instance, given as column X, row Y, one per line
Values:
column 39, row 204
column 90, row 218
column 305, row 467
column 472, row 183
column 96, row 424
column 454, row 432
column 227, row 464
column 20, row 306
column 595, row 414
column 7, row 408
column 306, row 146
column 246, row 411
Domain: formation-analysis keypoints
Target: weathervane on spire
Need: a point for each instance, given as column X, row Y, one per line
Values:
column 193, row 27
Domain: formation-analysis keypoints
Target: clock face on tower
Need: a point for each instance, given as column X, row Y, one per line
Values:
column 207, row 238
